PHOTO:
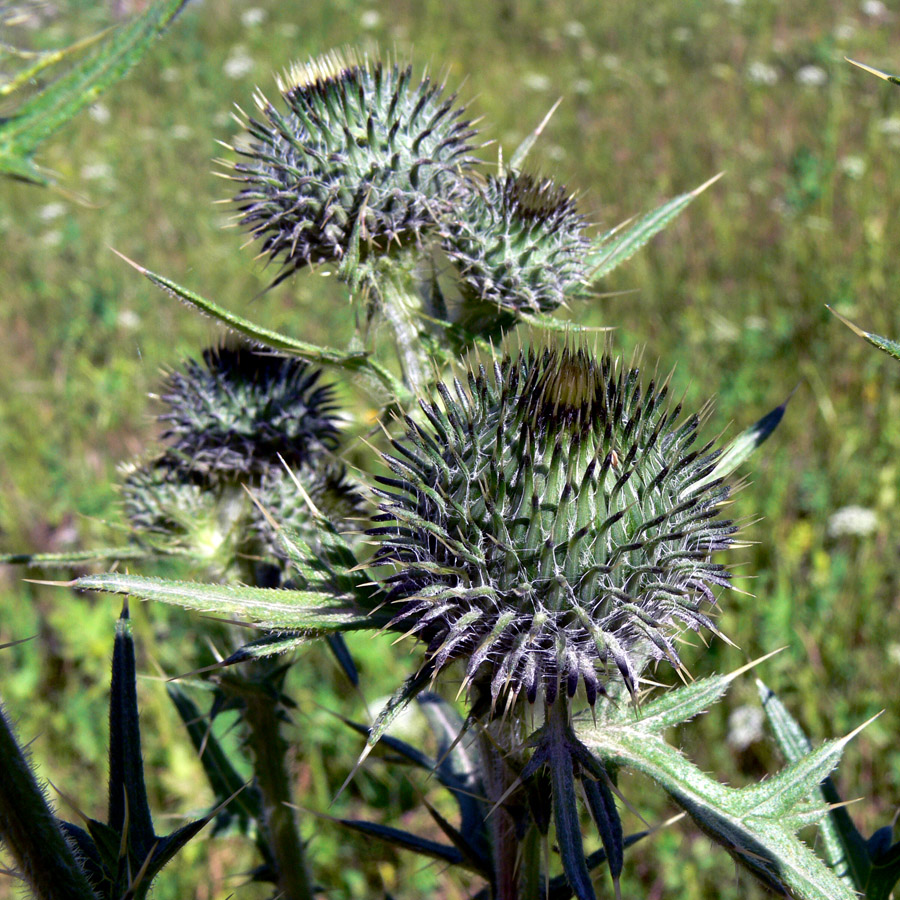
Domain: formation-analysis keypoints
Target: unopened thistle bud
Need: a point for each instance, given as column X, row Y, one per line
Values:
column 236, row 412
column 170, row 513
column 362, row 153
column 549, row 525
column 518, row 244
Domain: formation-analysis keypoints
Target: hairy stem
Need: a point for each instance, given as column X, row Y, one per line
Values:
column 498, row 778
column 269, row 749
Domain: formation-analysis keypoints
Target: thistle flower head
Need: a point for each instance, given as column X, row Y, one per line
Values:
column 548, row 523
column 238, row 410
column 363, row 153
column 518, row 243
column 173, row 514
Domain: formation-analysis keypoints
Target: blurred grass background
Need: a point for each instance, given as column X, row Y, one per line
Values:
column 658, row 97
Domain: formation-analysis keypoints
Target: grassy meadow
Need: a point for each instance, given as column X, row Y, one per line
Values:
column 657, row 98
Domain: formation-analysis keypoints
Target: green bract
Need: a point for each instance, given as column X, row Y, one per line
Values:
column 362, row 156
column 240, row 410
column 518, row 244
column 548, row 526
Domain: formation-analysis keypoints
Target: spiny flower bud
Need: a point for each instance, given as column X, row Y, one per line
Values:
column 363, row 153
column 518, row 244
column 239, row 410
column 172, row 514
column 549, row 524
column 330, row 491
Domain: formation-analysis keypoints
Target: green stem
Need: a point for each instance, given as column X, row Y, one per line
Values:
column 30, row 832
column 498, row 778
column 269, row 749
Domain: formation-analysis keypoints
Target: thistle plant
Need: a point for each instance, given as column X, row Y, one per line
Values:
column 549, row 523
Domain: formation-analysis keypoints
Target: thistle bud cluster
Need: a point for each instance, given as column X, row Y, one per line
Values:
column 238, row 419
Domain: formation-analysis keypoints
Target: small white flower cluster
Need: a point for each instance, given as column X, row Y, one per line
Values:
column 852, row 520
column 759, row 72
column 745, row 727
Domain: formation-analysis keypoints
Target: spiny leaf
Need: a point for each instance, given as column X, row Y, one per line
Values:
column 74, row 557
column 403, row 839
column 356, row 363
column 894, row 79
column 29, row 831
column 310, row 611
column 755, row 824
column 519, row 154
column 129, row 809
column 892, row 348
column 617, row 246
column 845, row 848
column 42, row 114
column 743, row 446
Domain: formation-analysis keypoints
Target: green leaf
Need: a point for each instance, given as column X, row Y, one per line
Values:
column 742, row 447
column 892, row 348
column 620, row 244
column 29, row 831
column 519, row 154
column 129, row 809
column 309, row 611
column 42, row 114
column 845, row 848
column 353, row 362
column 894, row 79
column 75, row 557
column 406, row 841
column 755, row 824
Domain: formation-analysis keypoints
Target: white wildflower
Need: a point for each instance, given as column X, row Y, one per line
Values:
column 370, row 19
column 759, row 72
column 535, row 81
column 853, row 520
column 253, row 16
column 50, row 211
column 100, row 171
column 874, row 9
column 890, row 126
column 128, row 320
column 181, row 132
column 238, row 64
column 853, row 166
column 811, row 76
column 574, row 29
column 99, row 113
column 745, row 727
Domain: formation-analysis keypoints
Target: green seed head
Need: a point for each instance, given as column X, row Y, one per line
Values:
column 238, row 410
column 518, row 244
column 547, row 524
column 362, row 154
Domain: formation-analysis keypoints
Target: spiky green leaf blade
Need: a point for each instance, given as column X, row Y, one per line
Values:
column 46, row 111
column 458, row 762
column 894, row 79
column 559, row 888
column 602, row 805
column 399, row 700
column 476, row 855
column 310, row 611
column 742, row 447
column 892, row 348
column 223, row 778
column 167, row 847
column 354, row 363
column 620, row 245
column 271, row 645
column 844, row 847
column 29, row 831
column 406, row 841
column 129, row 809
column 75, row 557
column 755, row 824
column 519, row 154
column 568, row 830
